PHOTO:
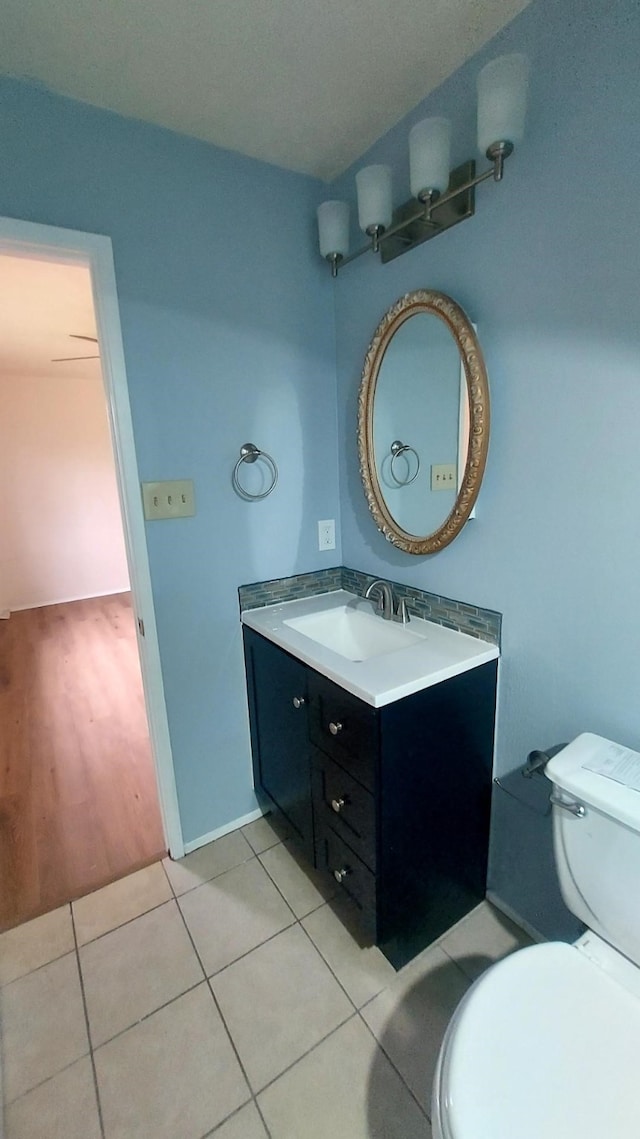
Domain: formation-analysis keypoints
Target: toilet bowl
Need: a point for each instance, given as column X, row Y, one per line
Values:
column 546, row 1044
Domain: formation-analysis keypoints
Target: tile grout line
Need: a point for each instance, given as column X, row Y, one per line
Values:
column 296, row 921
column 351, row 1001
column 208, row 980
column 146, row 1015
column 88, row 1026
column 179, row 861
column 225, row 1026
column 359, row 1014
column 393, row 1065
column 174, row 898
column 120, row 925
column 37, row 969
column 76, row 947
column 358, row 1010
column 47, row 1080
column 323, row 958
column 232, row 1115
column 270, row 876
column 248, row 952
column 205, row 978
column 303, row 1056
column 468, row 979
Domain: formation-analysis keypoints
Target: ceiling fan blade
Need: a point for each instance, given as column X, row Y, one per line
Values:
column 75, row 336
column 66, row 359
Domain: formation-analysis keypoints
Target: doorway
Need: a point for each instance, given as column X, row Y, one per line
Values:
column 87, row 790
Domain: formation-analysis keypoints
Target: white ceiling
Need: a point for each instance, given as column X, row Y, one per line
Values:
column 305, row 84
column 41, row 303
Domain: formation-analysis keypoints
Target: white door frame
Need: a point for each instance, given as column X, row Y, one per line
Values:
column 50, row 243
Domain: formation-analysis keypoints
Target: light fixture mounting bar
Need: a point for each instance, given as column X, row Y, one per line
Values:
column 415, row 222
column 410, row 225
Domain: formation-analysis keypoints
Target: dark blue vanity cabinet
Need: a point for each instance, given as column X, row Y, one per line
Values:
column 393, row 802
column 277, row 685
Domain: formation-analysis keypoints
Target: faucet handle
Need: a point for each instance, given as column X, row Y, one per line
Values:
column 402, row 613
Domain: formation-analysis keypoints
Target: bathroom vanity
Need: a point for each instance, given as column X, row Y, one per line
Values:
column 380, row 761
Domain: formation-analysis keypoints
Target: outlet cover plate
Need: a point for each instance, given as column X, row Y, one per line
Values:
column 327, row 534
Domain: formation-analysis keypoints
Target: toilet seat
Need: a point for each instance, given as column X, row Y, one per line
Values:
column 544, row 1046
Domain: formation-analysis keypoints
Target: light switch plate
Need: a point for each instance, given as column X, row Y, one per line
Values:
column 444, row 476
column 169, row 499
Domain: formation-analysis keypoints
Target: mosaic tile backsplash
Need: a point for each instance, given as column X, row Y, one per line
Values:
column 485, row 624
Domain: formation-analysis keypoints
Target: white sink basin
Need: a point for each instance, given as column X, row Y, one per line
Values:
column 354, row 634
column 340, row 636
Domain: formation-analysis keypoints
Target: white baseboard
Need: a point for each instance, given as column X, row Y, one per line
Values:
column 509, row 912
column 226, row 829
column 66, row 600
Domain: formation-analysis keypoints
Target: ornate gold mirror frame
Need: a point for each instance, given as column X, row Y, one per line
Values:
column 442, row 306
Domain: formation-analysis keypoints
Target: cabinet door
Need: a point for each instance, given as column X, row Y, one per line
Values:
column 280, row 739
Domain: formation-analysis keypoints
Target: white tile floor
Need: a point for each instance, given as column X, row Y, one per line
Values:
column 222, row 996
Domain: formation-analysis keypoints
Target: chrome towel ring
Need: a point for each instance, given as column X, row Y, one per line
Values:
column 398, row 448
column 248, row 454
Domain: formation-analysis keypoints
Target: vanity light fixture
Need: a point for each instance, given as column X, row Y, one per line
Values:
column 441, row 198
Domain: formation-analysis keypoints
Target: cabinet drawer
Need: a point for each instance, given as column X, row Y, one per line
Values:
column 346, row 806
column 352, row 876
column 344, row 727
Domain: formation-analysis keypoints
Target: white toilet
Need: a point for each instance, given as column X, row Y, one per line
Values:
column 546, row 1044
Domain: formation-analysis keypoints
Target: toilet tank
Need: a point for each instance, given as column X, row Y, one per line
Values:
column 598, row 853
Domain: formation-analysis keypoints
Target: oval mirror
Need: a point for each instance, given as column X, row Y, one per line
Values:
column 423, row 422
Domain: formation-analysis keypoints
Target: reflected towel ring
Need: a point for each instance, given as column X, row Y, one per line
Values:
column 398, row 448
column 248, row 454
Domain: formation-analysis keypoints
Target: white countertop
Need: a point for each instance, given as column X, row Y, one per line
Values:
column 381, row 679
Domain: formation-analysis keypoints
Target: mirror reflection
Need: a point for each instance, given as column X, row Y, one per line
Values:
column 423, row 422
column 416, row 424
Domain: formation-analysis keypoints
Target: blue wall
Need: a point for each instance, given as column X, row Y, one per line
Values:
column 227, row 320
column 549, row 269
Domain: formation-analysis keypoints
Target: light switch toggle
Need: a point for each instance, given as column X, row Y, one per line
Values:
column 170, row 499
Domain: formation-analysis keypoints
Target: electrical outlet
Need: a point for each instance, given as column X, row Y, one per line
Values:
column 173, row 499
column 327, row 534
column 443, row 476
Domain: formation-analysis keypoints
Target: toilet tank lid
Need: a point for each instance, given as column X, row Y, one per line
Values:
column 601, row 774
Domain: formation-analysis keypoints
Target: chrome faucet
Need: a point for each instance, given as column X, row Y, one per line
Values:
column 386, row 605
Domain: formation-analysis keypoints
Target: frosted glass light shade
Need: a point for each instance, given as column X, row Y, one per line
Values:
column 429, row 155
column 333, row 228
column 375, row 207
column 502, row 100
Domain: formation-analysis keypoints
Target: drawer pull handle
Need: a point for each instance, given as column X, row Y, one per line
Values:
column 334, row 727
column 337, row 805
column 298, row 701
column 340, row 875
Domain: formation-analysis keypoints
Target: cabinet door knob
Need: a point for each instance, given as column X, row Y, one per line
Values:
column 341, row 874
column 337, row 805
column 334, row 727
column 298, row 701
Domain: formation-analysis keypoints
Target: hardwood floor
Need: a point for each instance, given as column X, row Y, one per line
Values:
column 78, row 798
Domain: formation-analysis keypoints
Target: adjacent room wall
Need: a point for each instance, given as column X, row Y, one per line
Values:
column 227, row 320
column 550, row 270
column 62, row 536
